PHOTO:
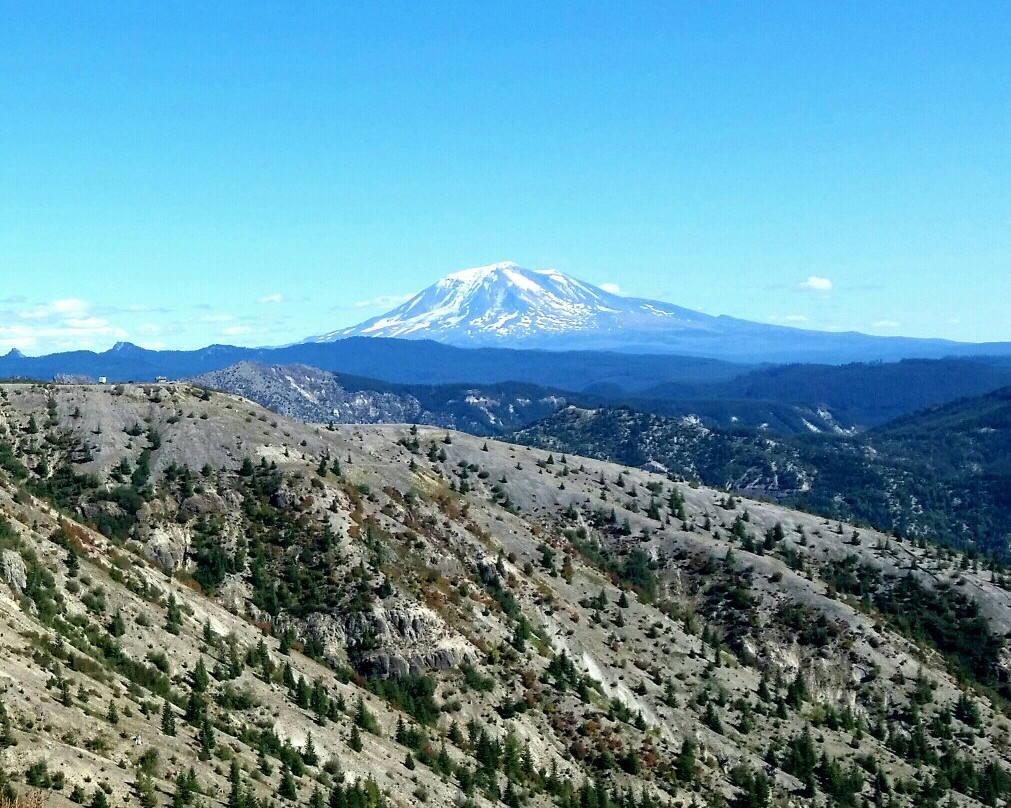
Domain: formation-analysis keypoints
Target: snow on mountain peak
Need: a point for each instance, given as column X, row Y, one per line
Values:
column 504, row 272
column 505, row 302
column 477, row 273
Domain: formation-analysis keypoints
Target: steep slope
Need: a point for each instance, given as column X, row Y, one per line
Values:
column 387, row 615
column 507, row 305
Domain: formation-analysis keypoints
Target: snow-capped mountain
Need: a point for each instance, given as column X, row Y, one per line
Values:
column 505, row 305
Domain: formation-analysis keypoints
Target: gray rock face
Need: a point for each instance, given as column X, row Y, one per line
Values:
column 14, row 571
column 234, row 594
column 389, row 665
column 92, row 510
column 166, row 544
column 391, row 640
column 208, row 502
column 329, row 632
column 165, row 552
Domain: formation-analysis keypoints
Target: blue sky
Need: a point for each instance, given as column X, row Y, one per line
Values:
column 178, row 174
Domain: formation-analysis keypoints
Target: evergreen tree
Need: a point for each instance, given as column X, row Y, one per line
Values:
column 186, row 786
column 684, row 763
column 712, row 719
column 195, row 707
column 364, row 718
column 206, row 739
column 236, row 799
column 966, row 710
column 147, row 797
column 287, row 788
column 302, row 693
column 168, row 719
column 173, row 616
column 796, row 691
column 200, row 680
column 66, row 697
column 754, row 791
column 309, row 755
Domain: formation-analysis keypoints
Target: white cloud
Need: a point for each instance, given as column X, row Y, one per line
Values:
column 70, row 334
column 86, row 323
column 886, row 324
column 235, row 330
column 64, row 324
column 274, row 298
column 217, row 318
column 816, row 284
column 20, row 337
column 66, row 307
column 612, row 288
column 383, row 301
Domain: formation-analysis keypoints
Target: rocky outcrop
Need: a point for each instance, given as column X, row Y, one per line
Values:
column 235, row 595
column 167, row 545
column 392, row 639
column 167, row 538
column 14, row 570
column 92, row 511
column 211, row 501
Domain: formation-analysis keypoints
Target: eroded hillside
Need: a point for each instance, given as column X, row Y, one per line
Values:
column 205, row 603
